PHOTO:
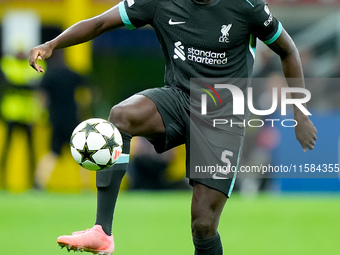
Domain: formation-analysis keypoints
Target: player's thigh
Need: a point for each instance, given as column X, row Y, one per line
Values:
column 137, row 115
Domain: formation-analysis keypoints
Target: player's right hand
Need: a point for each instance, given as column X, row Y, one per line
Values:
column 40, row 52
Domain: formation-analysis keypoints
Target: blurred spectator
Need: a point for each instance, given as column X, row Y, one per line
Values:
column 19, row 107
column 59, row 88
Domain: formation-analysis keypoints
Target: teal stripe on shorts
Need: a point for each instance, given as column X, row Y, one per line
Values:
column 234, row 177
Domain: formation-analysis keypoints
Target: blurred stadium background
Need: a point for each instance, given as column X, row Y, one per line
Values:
column 270, row 215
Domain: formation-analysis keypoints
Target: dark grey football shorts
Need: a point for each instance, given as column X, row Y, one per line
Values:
column 212, row 154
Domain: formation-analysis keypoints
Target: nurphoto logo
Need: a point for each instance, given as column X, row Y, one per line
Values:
column 239, row 103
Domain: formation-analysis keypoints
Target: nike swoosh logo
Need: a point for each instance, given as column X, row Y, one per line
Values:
column 216, row 177
column 171, row 23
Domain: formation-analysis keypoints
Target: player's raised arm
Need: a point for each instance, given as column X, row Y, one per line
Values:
column 80, row 32
column 284, row 46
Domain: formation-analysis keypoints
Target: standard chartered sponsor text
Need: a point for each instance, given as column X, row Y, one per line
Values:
column 207, row 57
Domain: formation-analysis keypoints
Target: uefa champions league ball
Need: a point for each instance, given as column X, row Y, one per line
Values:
column 96, row 144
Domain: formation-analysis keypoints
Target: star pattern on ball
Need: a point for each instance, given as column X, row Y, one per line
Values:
column 110, row 143
column 89, row 128
column 86, row 154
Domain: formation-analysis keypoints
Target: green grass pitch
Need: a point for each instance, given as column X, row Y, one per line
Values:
column 158, row 223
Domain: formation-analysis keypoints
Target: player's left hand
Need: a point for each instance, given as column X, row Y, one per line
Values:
column 305, row 132
column 40, row 52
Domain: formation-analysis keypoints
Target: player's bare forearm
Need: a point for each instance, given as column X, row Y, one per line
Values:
column 292, row 69
column 305, row 131
column 284, row 46
column 80, row 32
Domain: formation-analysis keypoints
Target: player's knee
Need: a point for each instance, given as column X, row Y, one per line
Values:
column 120, row 118
column 203, row 228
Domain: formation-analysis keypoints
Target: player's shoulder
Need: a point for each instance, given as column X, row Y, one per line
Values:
column 251, row 4
column 252, row 7
column 149, row 5
column 138, row 2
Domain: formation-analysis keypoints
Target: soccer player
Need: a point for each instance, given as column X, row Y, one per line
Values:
column 200, row 39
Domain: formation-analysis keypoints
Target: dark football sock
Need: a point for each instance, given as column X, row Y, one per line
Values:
column 208, row 246
column 108, row 184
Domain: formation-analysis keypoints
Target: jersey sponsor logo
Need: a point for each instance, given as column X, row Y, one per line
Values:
column 172, row 23
column 179, row 51
column 266, row 9
column 270, row 18
column 130, row 2
column 224, row 38
column 199, row 56
column 207, row 56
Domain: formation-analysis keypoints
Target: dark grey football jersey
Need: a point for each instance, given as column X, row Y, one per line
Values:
column 216, row 39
